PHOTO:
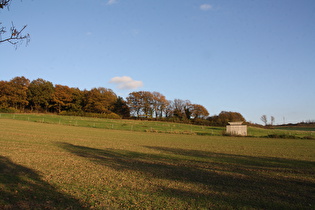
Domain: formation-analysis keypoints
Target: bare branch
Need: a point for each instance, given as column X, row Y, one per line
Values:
column 4, row 3
column 15, row 35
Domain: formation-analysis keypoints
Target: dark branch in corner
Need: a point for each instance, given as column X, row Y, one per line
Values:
column 4, row 3
column 15, row 35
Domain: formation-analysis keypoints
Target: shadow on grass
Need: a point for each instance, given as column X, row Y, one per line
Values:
column 22, row 188
column 230, row 180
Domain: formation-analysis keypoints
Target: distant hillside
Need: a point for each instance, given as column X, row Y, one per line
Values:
column 302, row 126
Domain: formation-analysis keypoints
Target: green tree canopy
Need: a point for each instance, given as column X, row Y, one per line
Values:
column 40, row 94
column 100, row 100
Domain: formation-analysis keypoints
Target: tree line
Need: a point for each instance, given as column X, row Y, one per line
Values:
column 22, row 95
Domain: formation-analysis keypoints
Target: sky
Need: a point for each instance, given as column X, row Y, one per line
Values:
column 251, row 56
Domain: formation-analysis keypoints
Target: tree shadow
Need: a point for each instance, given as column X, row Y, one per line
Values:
column 240, row 181
column 269, row 163
column 22, row 188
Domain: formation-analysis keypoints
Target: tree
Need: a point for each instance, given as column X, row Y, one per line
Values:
column 14, row 93
column 140, row 103
column 224, row 117
column 147, row 98
column 169, row 109
column 121, row 108
column 62, row 98
column 272, row 120
column 15, row 35
column 100, row 100
column 159, row 104
column 4, row 94
column 199, row 111
column 180, row 107
column 4, row 3
column 40, row 94
column 19, row 87
column 264, row 119
column 188, row 109
column 134, row 103
column 77, row 100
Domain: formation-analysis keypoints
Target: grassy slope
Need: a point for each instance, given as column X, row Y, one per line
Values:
column 55, row 166
column 297, row 128
column 147, row 126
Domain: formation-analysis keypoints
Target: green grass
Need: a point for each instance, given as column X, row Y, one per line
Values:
column 55, row 166
column 151, row 126
column 296, row 128
column 114, row 124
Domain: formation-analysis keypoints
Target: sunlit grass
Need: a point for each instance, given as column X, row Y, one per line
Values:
column 148, row 126
column 102, row 168
column 114, row 124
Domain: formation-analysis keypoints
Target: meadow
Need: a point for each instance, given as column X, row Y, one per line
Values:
column 154, row 126
column 57, row 166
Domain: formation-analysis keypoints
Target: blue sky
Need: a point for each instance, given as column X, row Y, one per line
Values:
column 253, row 57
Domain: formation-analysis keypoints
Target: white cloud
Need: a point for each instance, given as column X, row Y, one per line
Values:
column 111, row 2
column 126, row 82
column 205, row 7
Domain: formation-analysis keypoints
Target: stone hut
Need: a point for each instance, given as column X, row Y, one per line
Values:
column 236, row 128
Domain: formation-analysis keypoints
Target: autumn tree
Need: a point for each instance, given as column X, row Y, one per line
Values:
column 159, row 104
column 19, row 87
column 100, row 100
column 135, row 103
column 40, row 94
column 182, row 109
column 140, row 103
column 62, row 98
column 199, row 111
column 14, row 93
column 225, row 117
column 147, row 99
column 14, row 35
column 4, row 94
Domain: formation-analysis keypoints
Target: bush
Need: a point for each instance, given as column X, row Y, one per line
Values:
column 201, row 122
column 308, row 137
column 88, row 114
column 281, row 136
column 8, row 110
column 69, row 113
column 113, row 116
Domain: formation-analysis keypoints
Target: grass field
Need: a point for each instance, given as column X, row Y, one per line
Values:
column 297, row 128
column 151, row 126
column 45, row 165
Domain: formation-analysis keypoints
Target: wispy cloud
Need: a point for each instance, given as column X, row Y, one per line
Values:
column 111, row 2
column 126, row 83
column 206, row 7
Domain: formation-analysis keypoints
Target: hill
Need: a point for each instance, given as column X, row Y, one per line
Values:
column 152, row 126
